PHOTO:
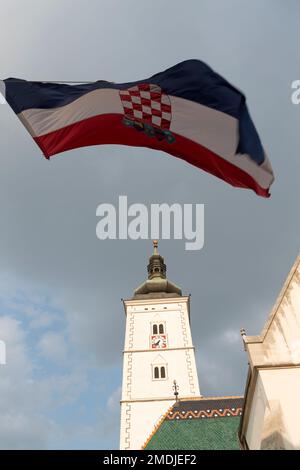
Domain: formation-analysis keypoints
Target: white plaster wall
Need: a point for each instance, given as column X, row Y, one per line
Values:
column 280, row 385
column 174, row 315
column 180, row 366
column 256, row 418
column 139, row 357
column 142, row 419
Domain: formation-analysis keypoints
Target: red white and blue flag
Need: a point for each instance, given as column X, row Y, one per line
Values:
column 188, row 111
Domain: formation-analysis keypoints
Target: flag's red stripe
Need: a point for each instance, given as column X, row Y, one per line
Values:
column 109, row 129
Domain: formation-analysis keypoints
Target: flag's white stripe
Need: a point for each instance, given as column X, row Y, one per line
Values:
column 213, row 129
column 208, row 127
column 43, row 121
column 218, row 132
column 2, row 91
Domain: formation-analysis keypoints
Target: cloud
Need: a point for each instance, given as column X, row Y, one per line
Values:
column 33, row 398
column 19, row 431
column 113, row 403
column 21, row 425
column 64, row 389
column 43, row 320
column 16, row 350
column 231, row 336
column 52, row 346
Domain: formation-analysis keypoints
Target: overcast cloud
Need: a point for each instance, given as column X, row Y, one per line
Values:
column 60, row 311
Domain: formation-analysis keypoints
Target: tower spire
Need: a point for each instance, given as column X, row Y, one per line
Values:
column 156, row 266
column 158, row 347
column 157, row 284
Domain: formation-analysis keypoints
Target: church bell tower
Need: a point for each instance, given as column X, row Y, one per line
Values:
column 158, row 351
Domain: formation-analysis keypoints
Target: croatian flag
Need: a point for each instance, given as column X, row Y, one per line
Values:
column 187, row 111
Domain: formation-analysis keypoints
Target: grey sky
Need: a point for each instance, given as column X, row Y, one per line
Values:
column 47, row 240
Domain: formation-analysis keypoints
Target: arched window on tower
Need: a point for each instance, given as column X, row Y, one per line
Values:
column 155, row 329
column 161, row 329
column 159, row 369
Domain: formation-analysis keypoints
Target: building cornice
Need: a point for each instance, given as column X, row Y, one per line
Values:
column 158, row 300
column 143, row 400
column 129, row 351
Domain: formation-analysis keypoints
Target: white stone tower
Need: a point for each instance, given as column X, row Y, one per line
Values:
column 158, row 350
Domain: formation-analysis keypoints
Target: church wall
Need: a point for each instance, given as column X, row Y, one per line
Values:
column 275, row 413
column 144, row 417
column 271, row 412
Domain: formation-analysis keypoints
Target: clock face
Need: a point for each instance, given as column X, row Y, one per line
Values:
column 158, row 341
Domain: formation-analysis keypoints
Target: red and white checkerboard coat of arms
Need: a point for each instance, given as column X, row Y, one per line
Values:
column 148, row 109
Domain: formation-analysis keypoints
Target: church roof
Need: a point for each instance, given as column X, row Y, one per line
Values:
column 210, row 423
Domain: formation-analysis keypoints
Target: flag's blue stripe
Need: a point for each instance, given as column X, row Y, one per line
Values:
column 192, row 80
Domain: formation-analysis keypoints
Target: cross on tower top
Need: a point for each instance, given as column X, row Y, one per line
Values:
column 155, row 246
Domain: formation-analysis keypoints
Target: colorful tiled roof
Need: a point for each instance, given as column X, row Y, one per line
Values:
column 204, row 423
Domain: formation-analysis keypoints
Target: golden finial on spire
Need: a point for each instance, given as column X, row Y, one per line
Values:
column 155, row 245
